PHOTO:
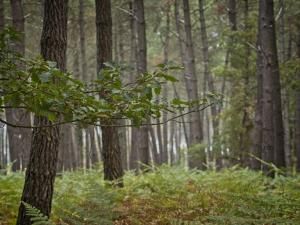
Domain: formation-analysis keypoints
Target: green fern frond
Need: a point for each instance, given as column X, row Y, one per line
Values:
column 36, row 216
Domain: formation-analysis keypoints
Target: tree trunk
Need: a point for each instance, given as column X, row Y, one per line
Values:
column 196, row 134
column 297, row 132
column 285, row 95
column 164, row 150
column 272, row 134
column 19, row 138
column 141, row 134
column 207, row 74
column 40, row 174
column 2, row 23
column 111, row 148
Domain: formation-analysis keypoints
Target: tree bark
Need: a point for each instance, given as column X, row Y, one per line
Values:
column 40, row 174
column 113, row 170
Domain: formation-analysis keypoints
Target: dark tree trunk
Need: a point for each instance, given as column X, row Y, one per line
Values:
column 40, row 174
column 1, row 15
column 111, row 148
column 297, row 132
column 19, row 139
column 272, row 134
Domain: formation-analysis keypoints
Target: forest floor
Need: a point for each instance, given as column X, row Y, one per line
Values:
column 166, row 196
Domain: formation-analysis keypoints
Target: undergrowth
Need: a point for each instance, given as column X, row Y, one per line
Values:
column 166, row 196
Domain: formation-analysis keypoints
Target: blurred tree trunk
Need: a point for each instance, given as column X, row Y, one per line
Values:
column 196, row 133
column 208, row 79
column 256, row 148
column 141, row 143
column 19, row 138
column 285, row 95
column 111, row 147
column 41, row 171
column 181, row 40
column 297, row 132
column 164, row 137
column 2, row 149
column 246, row 121
column 134, row 153
column 2, row 23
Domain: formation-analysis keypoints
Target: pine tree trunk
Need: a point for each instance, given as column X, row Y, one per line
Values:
column 111, row 148
column 40, row 174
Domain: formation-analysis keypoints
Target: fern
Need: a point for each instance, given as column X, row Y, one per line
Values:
column 36, row 217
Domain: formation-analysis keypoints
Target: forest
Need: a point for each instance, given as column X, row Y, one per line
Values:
column 150, row 112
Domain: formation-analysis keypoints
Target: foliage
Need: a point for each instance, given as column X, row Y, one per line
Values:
column 38, row 86
column 36, row 217
column 167, row 196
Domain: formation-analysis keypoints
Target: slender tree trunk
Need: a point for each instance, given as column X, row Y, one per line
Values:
column 297, row 132
column 256, row 149
column 196, row 134
column 141, row 133
column 164, row 150
column 181, row 40
column 40, row 174
column 207, row 74
column 134, row 153
column 246, row 121
column 285, row 95
column 19, row 138
column 2, row 149
column 111, row 147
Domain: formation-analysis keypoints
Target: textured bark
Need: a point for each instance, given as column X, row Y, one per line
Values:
column 19, row 139
column 40, row 174
column 196, row 133
column 111, row 148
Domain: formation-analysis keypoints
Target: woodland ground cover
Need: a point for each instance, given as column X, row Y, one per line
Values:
column 165, row 196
